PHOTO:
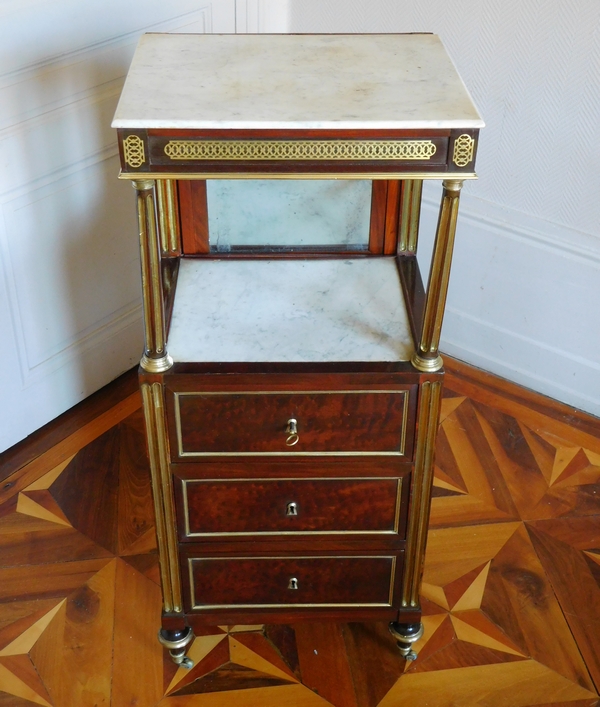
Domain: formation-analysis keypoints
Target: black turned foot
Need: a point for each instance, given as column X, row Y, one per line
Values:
column 176, row 642
column 406, row 635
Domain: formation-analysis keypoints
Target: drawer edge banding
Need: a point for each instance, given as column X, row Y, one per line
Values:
column 399, row 453
column 220, row 534
column 203, row 607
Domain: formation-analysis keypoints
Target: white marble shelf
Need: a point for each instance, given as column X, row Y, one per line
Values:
column 373, row 81
column 289, row 311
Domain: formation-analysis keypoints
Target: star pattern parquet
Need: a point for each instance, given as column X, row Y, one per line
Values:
column 511, row 588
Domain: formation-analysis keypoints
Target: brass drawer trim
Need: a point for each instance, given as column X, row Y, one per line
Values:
column 398, row 453
column 207, row 607
column 394, row 531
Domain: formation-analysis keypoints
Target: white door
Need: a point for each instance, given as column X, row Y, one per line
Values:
column 70, row 313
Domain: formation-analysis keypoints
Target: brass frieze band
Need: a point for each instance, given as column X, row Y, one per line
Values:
column 464, row 146
column 201, row 175
column 162, row 493
column 300, row 149
column 133, row 151
column 418, row 519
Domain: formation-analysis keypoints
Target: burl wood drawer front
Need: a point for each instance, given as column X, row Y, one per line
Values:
column 290, row 506
column 272, row 582
column 342, row 422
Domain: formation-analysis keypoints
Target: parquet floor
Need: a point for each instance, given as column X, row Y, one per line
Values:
column 511, row 591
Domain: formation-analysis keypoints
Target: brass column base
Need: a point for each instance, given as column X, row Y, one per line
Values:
column 156, row 365
column 427, row 365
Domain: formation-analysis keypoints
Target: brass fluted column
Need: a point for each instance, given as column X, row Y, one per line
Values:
column 162, row 494
column 155, row 358
column 430, row 397
column 426, row 357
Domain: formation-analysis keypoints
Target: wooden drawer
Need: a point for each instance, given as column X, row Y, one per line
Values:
column 236, row 507
column 273, row 582
column 344, row 422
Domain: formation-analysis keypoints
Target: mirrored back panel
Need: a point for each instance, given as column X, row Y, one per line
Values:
column 250, row 214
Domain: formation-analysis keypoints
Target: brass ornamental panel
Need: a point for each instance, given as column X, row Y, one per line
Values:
column 300, row 149
column 464, row 146
column 133, row 151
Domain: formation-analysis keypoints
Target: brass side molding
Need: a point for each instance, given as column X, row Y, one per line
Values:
column 162, row 492
column 168, row 216
column 464, row 146
column 133, row 151
column 418, row 520
column 410, row 212
column 300, row 149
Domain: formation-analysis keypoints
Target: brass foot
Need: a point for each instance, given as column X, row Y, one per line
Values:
column 406, row 635
column 176, row 642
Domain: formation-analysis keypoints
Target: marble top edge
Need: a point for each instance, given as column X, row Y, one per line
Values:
column 294, row 81
column 297, row 125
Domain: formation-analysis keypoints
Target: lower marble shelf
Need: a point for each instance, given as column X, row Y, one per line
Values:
column 344, row 309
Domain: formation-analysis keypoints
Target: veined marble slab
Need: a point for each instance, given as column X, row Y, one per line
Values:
column 294, row 81
column 289, row 310
column 288, row 212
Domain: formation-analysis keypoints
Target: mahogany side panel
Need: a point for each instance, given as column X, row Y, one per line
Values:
column 377, row 228
column 193, row 210
column 414, row 292
column 392, row 211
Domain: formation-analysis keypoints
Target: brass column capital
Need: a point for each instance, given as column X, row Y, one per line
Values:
column 453, row 184
column 142, row 184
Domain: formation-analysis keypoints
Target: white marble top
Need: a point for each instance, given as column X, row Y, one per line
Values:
column 289, row 311
column 371, row 81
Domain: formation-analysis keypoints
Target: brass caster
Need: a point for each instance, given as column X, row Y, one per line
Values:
column 406, row 635
column 176, row 642
column 184, row 662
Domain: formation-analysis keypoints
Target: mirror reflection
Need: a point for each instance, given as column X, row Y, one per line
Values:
column 246, row 214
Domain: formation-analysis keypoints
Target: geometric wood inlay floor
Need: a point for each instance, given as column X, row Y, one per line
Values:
column 511, row 589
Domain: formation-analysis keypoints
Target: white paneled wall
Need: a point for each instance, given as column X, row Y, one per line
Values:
column 526, row 282
column 70, row 312
column 525, row 289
